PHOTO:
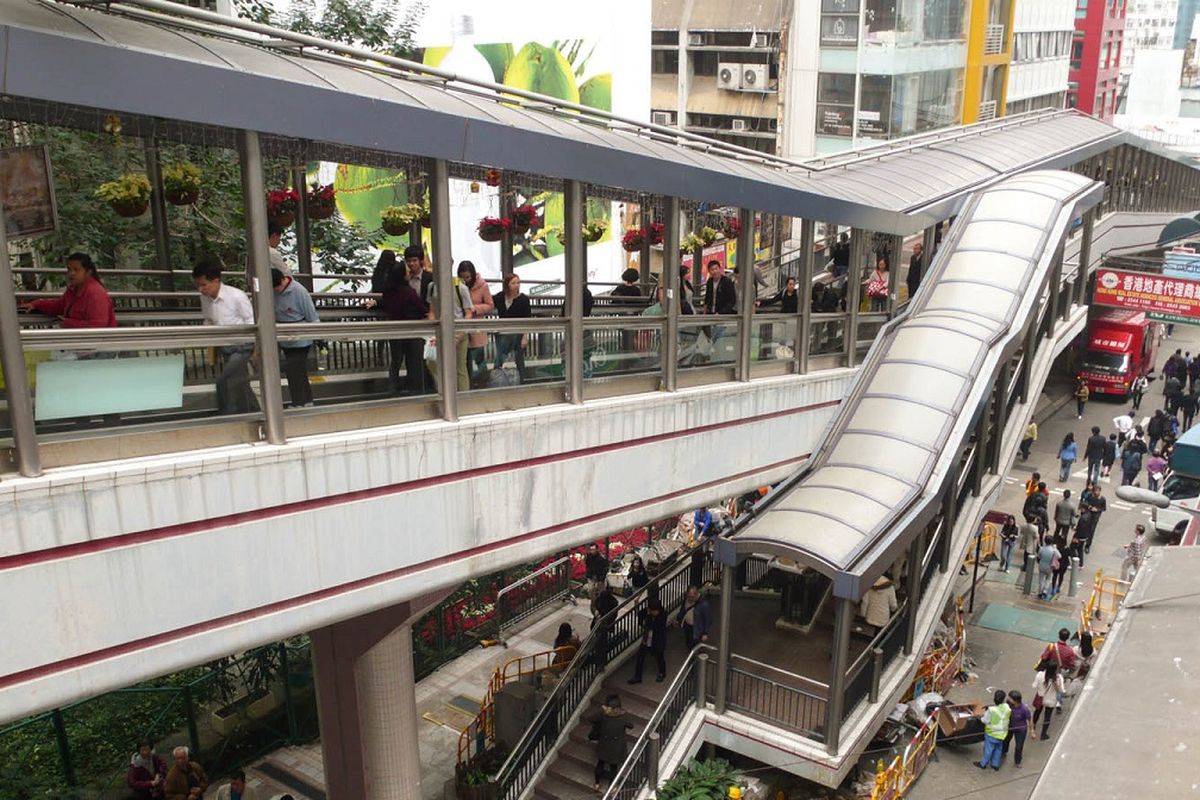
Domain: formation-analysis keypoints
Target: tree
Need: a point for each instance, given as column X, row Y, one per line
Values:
column 389, row 27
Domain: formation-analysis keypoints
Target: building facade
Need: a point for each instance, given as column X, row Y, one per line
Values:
column 1041, row 51
column 1096, row 57
column 812, row 77
column 1149, row 25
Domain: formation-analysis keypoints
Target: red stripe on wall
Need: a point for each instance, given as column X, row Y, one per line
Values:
column 126, row 648
column 185, row 528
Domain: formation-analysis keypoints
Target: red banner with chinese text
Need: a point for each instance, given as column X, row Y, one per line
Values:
column 1163, row 298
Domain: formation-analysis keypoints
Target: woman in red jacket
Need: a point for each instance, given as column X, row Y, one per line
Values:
column 85, row 303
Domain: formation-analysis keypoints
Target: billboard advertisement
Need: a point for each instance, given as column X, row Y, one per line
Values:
column 1162, row 297
column 596, row 55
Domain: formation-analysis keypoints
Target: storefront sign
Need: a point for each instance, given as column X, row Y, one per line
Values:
column 834, row 120
column 1163, row 298
column 1182, row 262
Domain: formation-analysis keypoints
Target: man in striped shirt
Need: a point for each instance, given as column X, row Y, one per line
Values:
column 1135, row 551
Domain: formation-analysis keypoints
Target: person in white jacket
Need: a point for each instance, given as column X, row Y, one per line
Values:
column 879, row 603
column 1048, row 687
column 237, row 789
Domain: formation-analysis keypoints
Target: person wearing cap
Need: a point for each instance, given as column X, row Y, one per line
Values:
column 1135, row 551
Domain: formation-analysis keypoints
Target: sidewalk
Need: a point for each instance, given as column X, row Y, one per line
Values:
column 447, row 701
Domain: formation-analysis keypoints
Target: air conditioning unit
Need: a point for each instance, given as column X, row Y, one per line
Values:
column 754, row 77
column 695, row 39
column 729, row 76
column 739, row 125
column 760, row 40
column 662, row 118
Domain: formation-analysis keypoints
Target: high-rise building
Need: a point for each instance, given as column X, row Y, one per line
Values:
column 1041, row 51
column 812, row 77
column 1149, row 25
column 1096, row 56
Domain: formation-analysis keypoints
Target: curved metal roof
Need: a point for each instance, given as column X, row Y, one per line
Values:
column 196, row 72
column 912, row 405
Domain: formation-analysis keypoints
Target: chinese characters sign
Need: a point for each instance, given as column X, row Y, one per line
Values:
column 1163, row 298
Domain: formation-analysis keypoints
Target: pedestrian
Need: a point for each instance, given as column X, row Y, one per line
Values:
column 1081, row 397
column 1032, row 484
column 401, row 302
column 274, row 257
column 1135, row 551
column 237, row 789
column 609, row 733
column 1018, row 727
column 1066, row 514
column 1059, row 653
column 1067, row 453
column 1029, row 539
column 915, row 264
column 1064, row 562
column 602, row 622
column 511, row 303
column 1156, row 427
column 720, row 293
column 84, row 304
column 146, row 773
column 995, row 731
column 1008, row 541
column 1174, row 394
column 695, row 617
column 1140, row 384
column 1048, row 688
column 1189, row 404
column 1131, row 465
column 566, row 645
column 1094, row 453
column 1036, row 507
column 1047, row 561
column 595, row 569
column 654, row 641
column 638, row 577
column 186, row 779
column 1124, row 425
column 877, row 285
column 1156, row 467
column 1031, row 435
column 1086, row 653
column 879, row 603
column 482, row 303
column 222, row 304
column 1110, row 456
column 294, row 304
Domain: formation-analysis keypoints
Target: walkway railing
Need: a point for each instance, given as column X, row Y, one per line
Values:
column 530, row 594
column 1102, row 606
column 895, row 781
column 777, row 696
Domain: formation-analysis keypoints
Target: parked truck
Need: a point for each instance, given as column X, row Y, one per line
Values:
column 1120, row 347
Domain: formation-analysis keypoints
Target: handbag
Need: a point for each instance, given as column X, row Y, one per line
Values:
column 1037, row 701
column 876, row 288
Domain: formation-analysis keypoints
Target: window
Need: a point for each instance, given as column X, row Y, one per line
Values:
column 704, row 63
column 664, row 37
column 875, row 106
column 664, row 62
column 839, row 30
column 835, row 104
column 835, row 88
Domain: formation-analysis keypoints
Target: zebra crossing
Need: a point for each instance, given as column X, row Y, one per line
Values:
column 1056, row 491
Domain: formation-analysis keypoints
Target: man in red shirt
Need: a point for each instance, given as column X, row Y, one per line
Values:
column 1060, row 653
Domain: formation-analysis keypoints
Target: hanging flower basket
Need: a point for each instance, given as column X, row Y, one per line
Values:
column 690, row 244
column 523, row 218
column 707, row 235
column 394, row 229
column 656, row 233
column 128, row 195
column 732, row 227
column 282, row 205
column 594, row 230
column 492, row 229
column 181, row 184
column 398, row 220
column 321, row 204
column 492, row 177
column 633, row 240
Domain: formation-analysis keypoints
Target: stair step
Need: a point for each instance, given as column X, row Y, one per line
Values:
column 552, row 787
column 571, row 771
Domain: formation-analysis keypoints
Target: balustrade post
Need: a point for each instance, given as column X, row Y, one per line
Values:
column 443, row 281
column 876, row 674
column 255, row 210
column 914, row 593
column 16, row 379
column 895, row 254
column 576, row 279
column 64, row 748
column 858, row 249
column 653, row 750
column 1085, row 257
column 672, row 295
column 747, row 292
column 1052, row 298
column 303, row 229
column 804, row 287
column 1001, row 415
column 843, row 621
column 647, row 217
column 702, row 681
column 723, row 636
column 949, row 515
column 979, row 465
column 1028, row 348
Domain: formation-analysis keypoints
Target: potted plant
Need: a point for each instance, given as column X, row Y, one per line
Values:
column 492, row 229
column 426, row 214
column 523, row 218
column 690, row 244
column 128, row 195
column 633, row 240
column 731, row 226
column 398, row 220
column 181, row 184
column 594, row 229
column 707, row 235
column 656, row 232
column 282, row 205
column 321, row 203
column 492, row 177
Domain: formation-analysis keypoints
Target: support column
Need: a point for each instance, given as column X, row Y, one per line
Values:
column 895, row 254
column 576, row 277
column 843, row 621
column 303, row 229
column 12, row 358
column 255, row 209
column 914, row 593
column 1052, row 299
column 158, row 215
column 805, row 281
column 858, row 249
column 949, row 518
column 979, row 464
column 928, row 246
column 1000, row 396
column 443, row 275
column 747, row 292
column 1085, row 257
column 672, row 295
column 647, row 217
column 1059, row 257
column 366, row 704
column 723, row 636
column 506, row 209
column 1028, row 349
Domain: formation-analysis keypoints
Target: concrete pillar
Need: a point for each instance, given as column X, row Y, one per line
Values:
column 366, row 704
column 443, row 281
column 858, row 252
column 575, row 280
column 747, row 292
column 672, row 294
column 12, row 358
column 804, row 287
column 303, row 229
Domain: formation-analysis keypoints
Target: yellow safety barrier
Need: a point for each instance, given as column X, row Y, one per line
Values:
column 1102, row 606
column 895, row 781
column 484, row 724
column 989, row 546
column 940, row 666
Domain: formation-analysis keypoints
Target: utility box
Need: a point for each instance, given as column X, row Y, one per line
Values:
column 516, row 706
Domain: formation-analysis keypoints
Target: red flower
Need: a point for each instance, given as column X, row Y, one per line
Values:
column 494, row 224
column 492, row 177
column 282, row 201
column 656, row 233
column 320, row 195
column 633, row 240
column 524, row 215
column 732, row 226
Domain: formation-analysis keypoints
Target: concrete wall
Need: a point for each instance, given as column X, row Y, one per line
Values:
column 131, row 569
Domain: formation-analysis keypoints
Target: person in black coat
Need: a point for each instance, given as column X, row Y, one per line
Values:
column 788, row 298
column 720, row 293
column 913, row 279
column 654, row 641
column 612, row 744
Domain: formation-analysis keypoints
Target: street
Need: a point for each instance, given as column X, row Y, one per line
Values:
column 1007, row 630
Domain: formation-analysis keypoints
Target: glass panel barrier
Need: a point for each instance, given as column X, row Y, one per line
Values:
column 868, row 329
column 827, row 334
column 773, row 338
column 706, row 341
column 500, row 353
column 615, row 346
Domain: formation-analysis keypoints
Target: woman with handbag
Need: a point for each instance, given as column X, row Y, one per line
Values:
column 877, row 286
column 1048, row 689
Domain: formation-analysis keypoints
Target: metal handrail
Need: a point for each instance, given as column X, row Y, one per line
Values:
column 565, row 591
column 814, row 685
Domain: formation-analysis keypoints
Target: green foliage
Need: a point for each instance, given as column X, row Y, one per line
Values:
column 129, row 188
column 181, row 177
column 700, row 780
column 402, row 214
column 388, row 28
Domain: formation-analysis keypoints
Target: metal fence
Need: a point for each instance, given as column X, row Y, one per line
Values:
column 526, row 596
column 765, row 692
column 228, row 713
